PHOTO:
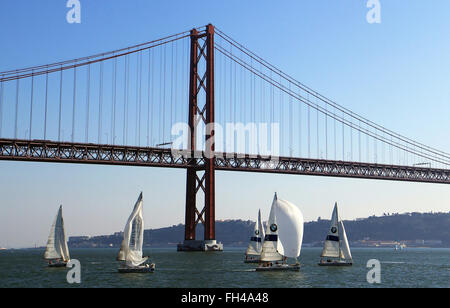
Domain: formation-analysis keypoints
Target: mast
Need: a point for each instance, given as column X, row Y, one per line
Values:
column 339, row 230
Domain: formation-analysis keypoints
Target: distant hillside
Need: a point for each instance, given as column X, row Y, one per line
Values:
column 432, row 229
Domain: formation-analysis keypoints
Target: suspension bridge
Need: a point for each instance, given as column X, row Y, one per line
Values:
column 120, row 108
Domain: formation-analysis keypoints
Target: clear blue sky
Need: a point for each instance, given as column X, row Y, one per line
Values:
column 395, row 73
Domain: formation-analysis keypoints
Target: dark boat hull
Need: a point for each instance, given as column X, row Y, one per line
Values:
column 335, row 264
column 57, row 264
column 278, row 267
column 137, row 269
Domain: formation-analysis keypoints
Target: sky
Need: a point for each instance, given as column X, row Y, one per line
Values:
column 396, row 73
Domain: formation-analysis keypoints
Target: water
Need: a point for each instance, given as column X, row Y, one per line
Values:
column 407, row 268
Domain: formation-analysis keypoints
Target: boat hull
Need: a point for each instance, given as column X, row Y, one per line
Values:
column 278, row 267
column 57, row 264
column 335, row 264
column 137, row 269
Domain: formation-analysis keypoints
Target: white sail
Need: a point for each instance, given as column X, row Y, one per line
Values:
column 269, row 250
column 346, row 254
column 331, row 245
column 57, row 240
column 290, row 228
column 133, row 237
column 261, row 229
column 255, row 246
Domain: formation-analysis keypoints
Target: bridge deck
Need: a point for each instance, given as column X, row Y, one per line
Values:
column 87, row 153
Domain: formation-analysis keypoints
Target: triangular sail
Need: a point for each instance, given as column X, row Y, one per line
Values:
column 331, row 246
column 290, row 231
column 261, row 228
column 133, row 237
column 57, row 240
column 269, row 249
column 346, row 254
column 256, row 240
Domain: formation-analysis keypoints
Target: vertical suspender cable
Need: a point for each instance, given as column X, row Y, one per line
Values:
column 100, row 104
column 309, row 129
column 125, row 99
column 153, row 97
column 46, row 103
column 235, row 93
column 242, row 89
column 140, row 98
column 317, row 131
column 335, row 141
column 224, row 102
column 60, row 103
column 281, row 121
column 148, row 96
column 137, row 101
column 160, row 93
column 88, row 97
column 113, row 121
column 1, row 105
column 290, row 124
column 31, row 103
column 74, row 101
column 171, row 89
column 351, row 141
column 343, row 139
column 359, row 140
column 164, row 97
column 231, row 88
column 300, row 130
column 326, row 131
column 17, row 109
column 176, row 79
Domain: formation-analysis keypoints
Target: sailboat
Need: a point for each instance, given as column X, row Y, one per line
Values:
column 57, row 252
column 336, row 251
column 130, row 253
column 284, row 236
column 253, row 253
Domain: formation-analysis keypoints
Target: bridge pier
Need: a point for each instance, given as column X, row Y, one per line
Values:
column 201, row 178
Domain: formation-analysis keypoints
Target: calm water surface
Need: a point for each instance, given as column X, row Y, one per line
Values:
column 407, row 268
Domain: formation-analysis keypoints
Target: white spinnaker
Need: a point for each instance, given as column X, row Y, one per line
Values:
column 133, row 237
column 57, row 240
column 331, row 245
column 345, row 247
column 269, row 249
column 290, row 230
